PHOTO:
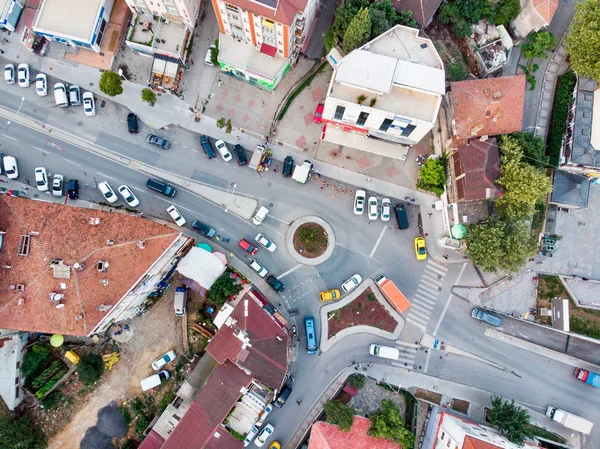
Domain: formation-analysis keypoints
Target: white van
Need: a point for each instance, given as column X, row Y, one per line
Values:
column 180, row 301
column 155, row 380
column 385, row 352
column 60, row 95
column 260, row 215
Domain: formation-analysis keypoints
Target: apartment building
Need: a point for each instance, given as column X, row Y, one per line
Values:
column 181, row 11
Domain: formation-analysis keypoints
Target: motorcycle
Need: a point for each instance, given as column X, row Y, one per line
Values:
column 294, row 332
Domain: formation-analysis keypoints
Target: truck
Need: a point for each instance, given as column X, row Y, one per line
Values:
column 569, row 420
column 392, row 294
column 302, row 172
column 588, row 377
column 257, row 157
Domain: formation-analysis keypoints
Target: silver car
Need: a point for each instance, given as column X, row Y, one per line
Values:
column 57, row 185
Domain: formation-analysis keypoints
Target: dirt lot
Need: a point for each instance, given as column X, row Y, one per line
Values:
column 154, row 333
column 452, row 49
column 364, row 310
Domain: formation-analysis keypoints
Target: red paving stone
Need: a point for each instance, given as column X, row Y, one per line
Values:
column 245, row 118
column 308, row 118
column 317, row 94
column 224, row 94
column 219, row 107
column 232, row 112
column 237, row 98
column 391, row 171
column 251, row 103
column 363, row 162
column 301, row 142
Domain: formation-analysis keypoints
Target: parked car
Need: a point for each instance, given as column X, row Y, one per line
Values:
column 163, row 360
column 420, row 248
column 247, row 246
column 176, row 216
column 266, row 433
column 240, row 155
column 41, row 179
column 260, row 215
column 161, row 187
column 207, row 147
column 155, row 380
column 107, row 191
column 158, row 141
column 263, row 416
column 223, row 150
column 486, row 317
column 329, row 295
column 73, row 189
column 275, row 283
column 75, row 95
column 10, row 167
column 207, row 58
column 23, row 75
column 251, row 435
column 352, row 283
column 128, row 196
column 203, row 228
column 9, row 74
column 41, row 85
column 132, row 123
column 256, row 266
column 386, row 209
column 288, row 167
column 373, row 208
column 60, row 95
column 275, row 445
column 401, row 216
column 283, row 396
column 318, row 117
column 89, row 105
column 57, row 185
column 386, row 352
column 359, row 202
column 268, row 244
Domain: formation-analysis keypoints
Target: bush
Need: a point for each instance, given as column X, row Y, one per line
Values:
column 330, row 40
column 148, row 96
column 562, row 100
column 37, row 359
column 432, row 176
column 455, row 71
column 223, row 288
column 90, row 368
column 214, row 53
column 21, row 433
column 357, row 381
column 110, row 83
column 126, row 415
column 142, row 424
column 339, row 414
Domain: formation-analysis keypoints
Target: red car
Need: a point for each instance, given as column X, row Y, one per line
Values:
column 246, row 246
column 318, row 117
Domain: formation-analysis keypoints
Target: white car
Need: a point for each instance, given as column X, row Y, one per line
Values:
column 264, row 414
column 9, row 74
column 163, row 360
column 256, row 266
column 23, row 75
column 250, row 436
column 264, row 435
column 352, row 283
column 10, row 167
column 260, row 215
column 128, row 196
column 107, row 191
column 41, row 179
column 223, row 150
column 386, row 209
column 359, row 202
column 57, row 185
column 89, row 106
column 268, row 244
column 41, row 85
column 175, row 215
column 207, row 58
column 373, row 208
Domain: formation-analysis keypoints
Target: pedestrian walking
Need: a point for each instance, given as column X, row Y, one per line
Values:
column 429, row 214
column 299, row 401
column 445, row 256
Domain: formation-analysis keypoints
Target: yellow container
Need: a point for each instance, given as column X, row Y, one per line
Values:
column 72, row 357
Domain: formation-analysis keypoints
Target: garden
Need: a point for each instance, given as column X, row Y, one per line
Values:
column 310, row 240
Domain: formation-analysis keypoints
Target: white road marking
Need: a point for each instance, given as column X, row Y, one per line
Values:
column 270, row 227
column 420, row 326
column 9, row 137
column 43, row 151
column 71, row 162
column 106, row 176
column 186, row 147
column 136, row 188
column 279, row 219
column 291, row 270
column 195, row 151
column 378, row 241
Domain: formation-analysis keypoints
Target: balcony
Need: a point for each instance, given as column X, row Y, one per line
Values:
column 299, row 40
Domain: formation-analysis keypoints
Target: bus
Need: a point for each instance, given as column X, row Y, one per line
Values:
column 311, row 337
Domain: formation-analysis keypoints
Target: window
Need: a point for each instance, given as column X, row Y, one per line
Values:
column 385, row 125
column 362, row 118
column 448, row 443
column 339, row 112
column 442, row 436
column 408, row 130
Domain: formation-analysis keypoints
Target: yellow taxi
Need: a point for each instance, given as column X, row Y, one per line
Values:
column 329, row 295
column 420, row 248
column 275, row 445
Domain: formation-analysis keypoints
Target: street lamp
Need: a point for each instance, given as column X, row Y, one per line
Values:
column 18, row 110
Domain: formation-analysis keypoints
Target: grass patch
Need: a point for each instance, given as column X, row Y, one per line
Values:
column 543, row 433
column 537, row 222
column 460, row 406
column 300, row 88
column 558, row 126
column 430, row 396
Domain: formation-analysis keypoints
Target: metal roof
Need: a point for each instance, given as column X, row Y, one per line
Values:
column 570, row 188
column 420, row 77
column 367, row 70
column 582, row 150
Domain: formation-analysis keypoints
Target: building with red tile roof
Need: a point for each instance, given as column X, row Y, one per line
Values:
column 73, row 270
column 534, row 15
column 329, row 436
column 488, row 107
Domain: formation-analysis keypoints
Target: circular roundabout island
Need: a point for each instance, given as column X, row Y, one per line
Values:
column 310, row 240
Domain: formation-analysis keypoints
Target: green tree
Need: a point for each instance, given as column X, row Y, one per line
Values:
column 223, row 288
column 534, row 148
column 149, row 96
column 379, row 22
column 538, row 44
column 432, row 176
column 505, row 12
column 386, row 422
column 36, row 360
column 110, row 83
column 339, row 414
column 499, row 245
column 330, row 40
column 21, row 433
column 90, row 368
column 214, row 53
column 357, row 381
column 510, row 420
column 358, row 31
column 583, row 40
column 463, row 13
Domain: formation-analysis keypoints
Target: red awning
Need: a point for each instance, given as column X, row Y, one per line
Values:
column 268, row 50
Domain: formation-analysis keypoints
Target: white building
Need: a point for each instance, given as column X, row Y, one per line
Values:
column 10, row 12
column 12, row 346
column 385, row 96
column 181, row 11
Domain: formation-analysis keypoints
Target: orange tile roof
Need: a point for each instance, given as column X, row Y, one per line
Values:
column 473, row 443
column 329, row 436
column 64, row 233
column 488, row 107
column 546, row 9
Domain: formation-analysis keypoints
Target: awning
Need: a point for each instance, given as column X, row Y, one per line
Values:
column 202, row 267
column 166, row 68
column 268, row 50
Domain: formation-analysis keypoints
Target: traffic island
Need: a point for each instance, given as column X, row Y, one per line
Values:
column 310, row 240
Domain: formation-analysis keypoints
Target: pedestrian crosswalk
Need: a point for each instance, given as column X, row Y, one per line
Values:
column 427, row 293
column 408, row 353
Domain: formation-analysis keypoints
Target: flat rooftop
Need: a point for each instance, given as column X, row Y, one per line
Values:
column 142, row 34
column 74, row 18
column 243, row 55
column 171, row 37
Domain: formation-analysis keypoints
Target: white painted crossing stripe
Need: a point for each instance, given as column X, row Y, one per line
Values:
column 433, row 279
column 418, row 319
column 427, row 288
column 433, row 263
column 427, row 294
column 424, row 298
column 419, row 313
column 401, row 365
column 408, row 345
column 291, row 270
column 422, row 306
column 438, row 268
column 419, row 325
